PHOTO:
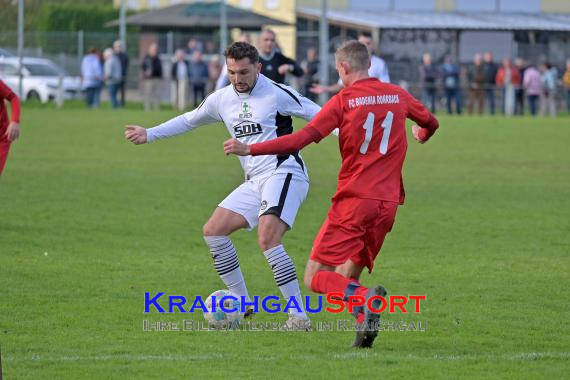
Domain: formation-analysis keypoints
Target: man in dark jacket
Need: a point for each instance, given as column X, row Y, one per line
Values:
column 428, row 77
column 180, row 74
column 275, row 65
column 476, row 77
column 198, row 77
column 124, row 59
column 152, row 75
column 490, row 72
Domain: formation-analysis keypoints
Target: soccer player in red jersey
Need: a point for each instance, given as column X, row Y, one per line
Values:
column 371, row 118
column 9, row 130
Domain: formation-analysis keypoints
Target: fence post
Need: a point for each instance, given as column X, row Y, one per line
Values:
column 59, row 95
column 80, row 47
column 170, row 43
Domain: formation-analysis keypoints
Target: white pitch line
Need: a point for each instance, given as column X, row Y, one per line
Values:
column 521, row 356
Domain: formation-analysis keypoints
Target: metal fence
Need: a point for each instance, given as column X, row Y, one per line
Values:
column 68, row 48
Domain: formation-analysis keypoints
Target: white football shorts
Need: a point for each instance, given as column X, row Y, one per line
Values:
column 279, row 194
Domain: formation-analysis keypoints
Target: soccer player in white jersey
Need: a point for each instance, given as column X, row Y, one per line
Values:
column 253, row 109
column 378, row 68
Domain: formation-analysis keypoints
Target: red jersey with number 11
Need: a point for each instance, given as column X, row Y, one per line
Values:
column 371, row 117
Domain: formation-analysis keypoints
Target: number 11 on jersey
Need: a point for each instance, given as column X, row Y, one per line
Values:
column 369, row 128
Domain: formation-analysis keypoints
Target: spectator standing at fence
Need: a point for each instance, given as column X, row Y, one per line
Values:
column 152, row 78
column 198, row 77
column 519, row 87
column 451, row 82
column 378, row 68
column 9, row 125
column 112, row 74
column 92, row 78
column 490, row 72
column 275, row 65
column 310, row 66
column 193, row 46
column 566, row 82
column 180, row 74
column 214, row 72
column 476, row 77
column 507, row 79
column 119, row 50
column 532, row 84
column 428, row 78
column 548, row 97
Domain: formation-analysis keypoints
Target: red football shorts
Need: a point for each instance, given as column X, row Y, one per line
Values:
column 4, row 149
column 354, row 229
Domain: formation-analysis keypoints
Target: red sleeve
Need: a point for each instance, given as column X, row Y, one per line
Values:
column 328, row 118
column 318, row 128
column 8, row 94
column 420, row 114
column 284, row 144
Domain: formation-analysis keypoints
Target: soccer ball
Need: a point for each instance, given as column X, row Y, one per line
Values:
column 219, row 318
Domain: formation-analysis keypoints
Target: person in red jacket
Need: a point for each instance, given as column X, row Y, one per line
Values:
column 370, row 116
column 509, row 80
column 9, row 130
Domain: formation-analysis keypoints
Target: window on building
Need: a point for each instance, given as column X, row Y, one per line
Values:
column 498, row 43
column 520, row 6
column 153, row 4
column 369, row 5
column 474, row 6
column 272, row 4
column 133, row 4
column 415, row 5
column 246, row 3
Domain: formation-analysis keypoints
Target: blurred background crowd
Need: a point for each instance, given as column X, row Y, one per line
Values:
column 485, row 57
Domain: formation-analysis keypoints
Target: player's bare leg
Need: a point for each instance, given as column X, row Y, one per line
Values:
column 271, row 230
column 224, row 222
column 350, row 270
column 216, row 230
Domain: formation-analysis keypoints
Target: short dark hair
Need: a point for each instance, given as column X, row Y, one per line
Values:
column 241, row 50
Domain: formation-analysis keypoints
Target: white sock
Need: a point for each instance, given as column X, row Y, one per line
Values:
column 227, row 265
column 286, row 277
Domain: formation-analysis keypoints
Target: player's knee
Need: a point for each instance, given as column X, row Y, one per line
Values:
column 210, row 229
column 267, row 242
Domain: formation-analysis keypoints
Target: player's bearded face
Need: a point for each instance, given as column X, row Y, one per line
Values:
column 243, row 74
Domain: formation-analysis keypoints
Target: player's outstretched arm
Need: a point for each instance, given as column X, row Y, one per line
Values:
column 234, row 146
column 416, row 132
column 281, row 145
column 427, row 124
column 13, row 130
column 135, row 134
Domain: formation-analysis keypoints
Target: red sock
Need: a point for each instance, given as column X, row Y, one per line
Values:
column 327, row 282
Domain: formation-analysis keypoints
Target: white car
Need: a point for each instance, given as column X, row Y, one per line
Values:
column 40, row 79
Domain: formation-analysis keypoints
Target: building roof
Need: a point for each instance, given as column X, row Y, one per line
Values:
column 198, row 15
column 443, row 20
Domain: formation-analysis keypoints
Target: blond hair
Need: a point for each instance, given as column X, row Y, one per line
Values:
column 355, row 54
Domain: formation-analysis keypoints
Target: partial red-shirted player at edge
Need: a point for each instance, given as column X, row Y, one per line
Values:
column 371, row 118
column 9, row 130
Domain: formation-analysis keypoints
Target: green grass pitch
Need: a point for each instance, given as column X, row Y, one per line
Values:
column 89, row 222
